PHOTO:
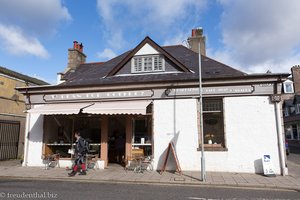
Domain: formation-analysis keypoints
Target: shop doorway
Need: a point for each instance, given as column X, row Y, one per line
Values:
column 116, row 139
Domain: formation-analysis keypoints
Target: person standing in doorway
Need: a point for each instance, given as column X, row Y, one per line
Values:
column 80, row 155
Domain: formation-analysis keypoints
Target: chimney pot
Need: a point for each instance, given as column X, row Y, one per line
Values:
column 81, row 47
column 75, row 44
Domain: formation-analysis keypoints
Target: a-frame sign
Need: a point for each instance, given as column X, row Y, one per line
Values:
column 171, row 147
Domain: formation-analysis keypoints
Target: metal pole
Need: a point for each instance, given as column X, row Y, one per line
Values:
column 203, row 177
column 280, row 139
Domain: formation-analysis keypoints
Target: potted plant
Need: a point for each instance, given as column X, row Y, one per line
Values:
column 209, row 137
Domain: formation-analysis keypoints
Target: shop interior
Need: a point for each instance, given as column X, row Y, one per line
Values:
column 58, row 136
column 58, row 133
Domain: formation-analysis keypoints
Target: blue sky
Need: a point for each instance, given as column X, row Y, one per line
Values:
column 253, row 36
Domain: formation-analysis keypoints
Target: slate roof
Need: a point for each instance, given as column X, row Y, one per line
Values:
column 100, row 73
column 23, row 77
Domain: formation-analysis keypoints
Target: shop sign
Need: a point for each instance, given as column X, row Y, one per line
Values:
column 268, row 166
column 211, row 90
column 98, row 95
column 276, row 98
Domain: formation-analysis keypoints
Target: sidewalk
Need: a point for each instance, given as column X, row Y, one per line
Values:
column 115, row 173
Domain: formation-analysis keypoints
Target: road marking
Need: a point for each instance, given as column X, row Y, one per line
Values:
column 199, row 198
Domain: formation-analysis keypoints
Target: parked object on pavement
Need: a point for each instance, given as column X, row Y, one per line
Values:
column 287, row 148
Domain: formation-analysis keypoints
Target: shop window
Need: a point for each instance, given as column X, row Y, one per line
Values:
column 142, row 134
column 59, row 133
column 213, row 124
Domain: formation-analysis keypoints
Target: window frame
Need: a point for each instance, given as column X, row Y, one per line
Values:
column 286, row 111
column 214, row 147
column 298, row 108
column 144, row 59
column 285, row 87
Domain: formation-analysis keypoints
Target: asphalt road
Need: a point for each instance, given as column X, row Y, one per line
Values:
column 293, row 163
column 32, row 189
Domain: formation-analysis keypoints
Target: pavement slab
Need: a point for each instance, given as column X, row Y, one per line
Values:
column 118, row 174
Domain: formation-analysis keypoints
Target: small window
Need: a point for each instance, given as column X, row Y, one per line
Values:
column 288, row 87
column 288, row 133
column 286, row 111
column 148, row 64
column 152, row 63
column 158, row 63
column 292, row 110
column 137, row 64
column 298, row 108
column 213, row 124
column 294, row 132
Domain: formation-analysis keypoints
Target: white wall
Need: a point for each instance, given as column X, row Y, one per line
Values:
column 146, row 50
column 250, row 132
column 176, row 120
column 35, row 141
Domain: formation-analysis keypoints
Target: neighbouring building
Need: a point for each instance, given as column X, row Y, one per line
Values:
column 148, row 97
column 291, row 109
column 12, row 116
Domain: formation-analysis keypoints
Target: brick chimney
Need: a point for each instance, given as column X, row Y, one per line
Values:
column 75, row 56
column 296, row 78
column 197, row 36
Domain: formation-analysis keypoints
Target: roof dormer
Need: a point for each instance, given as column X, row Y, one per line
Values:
column 148, row 57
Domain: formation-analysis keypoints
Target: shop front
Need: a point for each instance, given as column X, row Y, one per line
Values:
column 112, row 129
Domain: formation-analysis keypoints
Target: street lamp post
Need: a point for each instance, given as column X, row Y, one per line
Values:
column 203, row 177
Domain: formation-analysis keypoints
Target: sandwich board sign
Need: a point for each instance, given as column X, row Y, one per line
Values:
column 268, row 166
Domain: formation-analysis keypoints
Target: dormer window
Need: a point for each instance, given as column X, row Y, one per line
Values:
column 149, row 63
column 288, row 87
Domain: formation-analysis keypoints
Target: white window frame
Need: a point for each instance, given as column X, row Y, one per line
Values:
column 133, row 68
column 297, row 108
column 286, row 111
column 285, row 87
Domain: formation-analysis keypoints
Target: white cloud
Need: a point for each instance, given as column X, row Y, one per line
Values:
column 179, row 39
column 35, row 16
column 16, row 43
column 106, row 54
column 259, row 35
column 24, row 23
column 151, row 17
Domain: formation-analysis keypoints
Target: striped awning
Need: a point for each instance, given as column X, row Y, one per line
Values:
column 103, row 108
column 118, row 107
column 59, row 109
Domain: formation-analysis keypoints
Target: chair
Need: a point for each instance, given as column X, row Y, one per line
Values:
column 51, row 160
column 134, row 162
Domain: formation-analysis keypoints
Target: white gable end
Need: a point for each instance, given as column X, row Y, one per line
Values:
column 146, row 50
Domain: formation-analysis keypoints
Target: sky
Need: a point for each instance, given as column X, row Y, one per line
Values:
column 253, row 36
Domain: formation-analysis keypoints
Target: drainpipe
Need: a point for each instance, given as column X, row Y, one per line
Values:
column 277, row 98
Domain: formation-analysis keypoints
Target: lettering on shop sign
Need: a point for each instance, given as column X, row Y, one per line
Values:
column 211, row 90
column 98, row 95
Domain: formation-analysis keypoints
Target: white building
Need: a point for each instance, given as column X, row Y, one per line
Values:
column 149, row 96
